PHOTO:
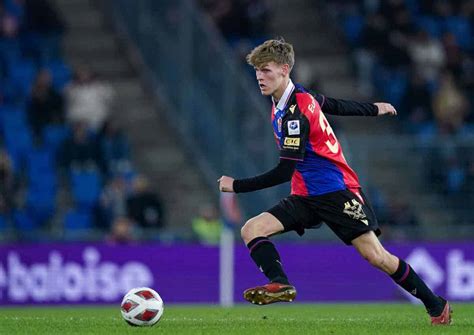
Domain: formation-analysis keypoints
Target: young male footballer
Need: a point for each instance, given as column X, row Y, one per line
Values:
column 323, row 186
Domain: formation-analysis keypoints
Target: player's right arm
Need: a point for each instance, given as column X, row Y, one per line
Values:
column 295, row 134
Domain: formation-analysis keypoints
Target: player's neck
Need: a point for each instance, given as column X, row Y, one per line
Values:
column 280, row 90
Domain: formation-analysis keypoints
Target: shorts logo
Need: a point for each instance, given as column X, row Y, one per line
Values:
column 294, row 127
column 292, row 142
column 354, row 210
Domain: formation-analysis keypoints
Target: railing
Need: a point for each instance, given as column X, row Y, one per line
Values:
column 214, row 105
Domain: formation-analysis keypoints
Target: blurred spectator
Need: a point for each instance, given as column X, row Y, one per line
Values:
column 7, row 184
column 81, row 151
column 88, row 99
column 10, row 49
column 113, row 202
column 45, row 27
column 115, row 148
column 41, row 17
column 46, row 105
column 416, row 104
column 207, row 226
column 239, row 19
column 121, row 231
column 427, row 55
column 374, row 35
column 453, row 54
column 401, row 222
column 144, row 206
column 449, row 105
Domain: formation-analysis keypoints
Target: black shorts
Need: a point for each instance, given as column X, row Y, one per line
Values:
column 343, row 211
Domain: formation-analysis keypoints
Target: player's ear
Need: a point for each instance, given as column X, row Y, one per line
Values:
column 285, row 69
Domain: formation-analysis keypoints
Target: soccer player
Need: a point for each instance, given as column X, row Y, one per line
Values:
column 323, row 186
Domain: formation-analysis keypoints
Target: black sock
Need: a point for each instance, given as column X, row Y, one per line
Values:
column 265, row 255
column 407, row 278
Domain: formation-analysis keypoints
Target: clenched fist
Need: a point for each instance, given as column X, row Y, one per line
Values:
column 226, row 184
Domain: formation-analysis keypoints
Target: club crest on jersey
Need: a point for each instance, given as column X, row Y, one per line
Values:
column 354, row 211
column 294, row 127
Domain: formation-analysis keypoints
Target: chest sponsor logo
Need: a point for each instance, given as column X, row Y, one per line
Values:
column 292, row 142
column 294, row 127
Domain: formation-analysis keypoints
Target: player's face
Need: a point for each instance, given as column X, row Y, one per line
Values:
column 270, row 77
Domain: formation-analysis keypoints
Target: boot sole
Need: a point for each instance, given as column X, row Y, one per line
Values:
column 260, row 296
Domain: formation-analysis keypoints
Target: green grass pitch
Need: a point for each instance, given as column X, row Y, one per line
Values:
column 292, row 319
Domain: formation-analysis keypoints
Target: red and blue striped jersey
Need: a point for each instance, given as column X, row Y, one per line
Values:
column 303, row 133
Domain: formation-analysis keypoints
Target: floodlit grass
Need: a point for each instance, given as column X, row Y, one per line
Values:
column 292, row 319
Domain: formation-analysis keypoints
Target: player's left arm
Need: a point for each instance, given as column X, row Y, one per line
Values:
column 353, row 108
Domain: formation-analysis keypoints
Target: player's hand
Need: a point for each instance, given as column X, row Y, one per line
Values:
column 385, row 109
column 226, row 184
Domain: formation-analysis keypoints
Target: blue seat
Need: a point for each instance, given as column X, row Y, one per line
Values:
column 40, row 161
column 60, row 72
column 432, row 25
column 13, row 116
column 86, row 187
column 3, row 223
column 9, row 50
column 16, row 134
column 23, row 221
column 77, row 220
column 353, row 26
column 461, row 28
column 54, row 136
column 41, row 202
column 22, row 73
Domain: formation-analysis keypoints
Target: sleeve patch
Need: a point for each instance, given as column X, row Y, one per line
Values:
column 294, row 127
column 292, row 142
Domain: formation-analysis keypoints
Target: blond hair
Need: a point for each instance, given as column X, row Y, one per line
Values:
column 276, row 50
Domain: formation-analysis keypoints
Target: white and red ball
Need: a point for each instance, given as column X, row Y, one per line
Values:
column 142, row 306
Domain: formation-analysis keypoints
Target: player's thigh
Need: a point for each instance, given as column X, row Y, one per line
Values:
column 264, row 224
column 346, row 215
column 296, row 214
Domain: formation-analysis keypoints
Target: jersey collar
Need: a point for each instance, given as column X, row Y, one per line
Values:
column 285, row 97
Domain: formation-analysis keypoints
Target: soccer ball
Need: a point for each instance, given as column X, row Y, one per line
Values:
column 142, row 306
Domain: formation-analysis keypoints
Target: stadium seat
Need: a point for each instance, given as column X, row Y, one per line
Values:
column 16, row 134
column 77, row 220
column 3, row 223
column 54, row 136
column 41, row 202
column 23, row 221
column 9, row 50
column 22, row 73
column 461, row 28
column 431, row 25
column 60, row 72
column 86, row 187
column 353, row 26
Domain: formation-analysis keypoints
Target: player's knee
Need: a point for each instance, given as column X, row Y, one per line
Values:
column 247, row 232
column 251, row 230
